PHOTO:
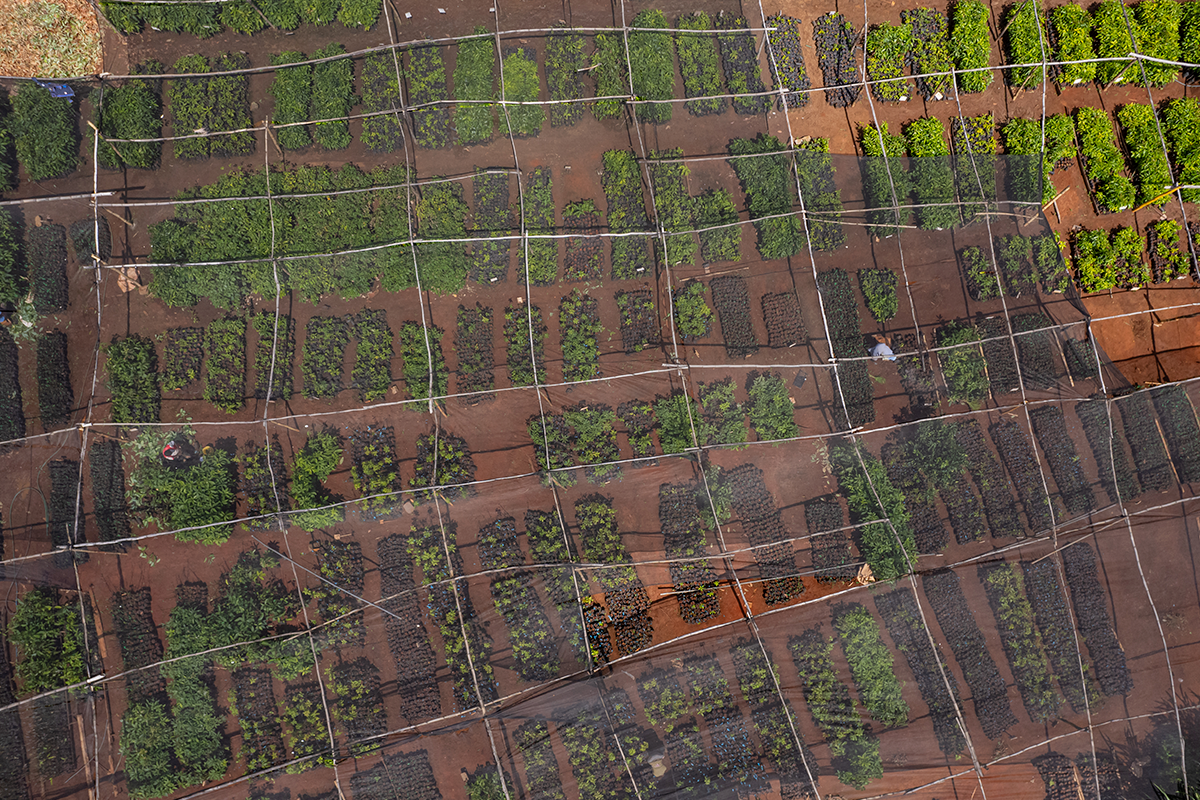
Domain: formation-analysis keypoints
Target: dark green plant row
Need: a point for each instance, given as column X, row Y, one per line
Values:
column 888, row 547
column 39, row 132
column 200, row 106
column 769, row 184
column 1103, row 165
column 1181, row 125
column 452, row 611
column 1147, row 152
column 854, row 748
column 1055, row 150
column 132, row 110
column 1071, row 34
column 240, row 16
column 1104, row 261
column 974, row 144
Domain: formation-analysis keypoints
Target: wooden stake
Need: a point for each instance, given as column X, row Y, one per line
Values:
column 122, row 220
column 87, row 762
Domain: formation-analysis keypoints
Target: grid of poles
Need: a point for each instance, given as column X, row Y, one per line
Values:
column 680, row 370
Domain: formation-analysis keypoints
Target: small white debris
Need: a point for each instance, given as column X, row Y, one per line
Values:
column 408, row 15
column 441, row 11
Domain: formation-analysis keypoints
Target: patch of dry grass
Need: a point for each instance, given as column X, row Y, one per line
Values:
column 48, row 39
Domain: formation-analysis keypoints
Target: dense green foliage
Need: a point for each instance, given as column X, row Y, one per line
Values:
column 1103, row 262
column 1022, row 644
column 207, row 19
column 475, row 79
column 676, row 421
column 674, row 206
column 417, row 343
column 715, row 208
column 564, row 60
column 1025, row 39
column 146, row 746
column 885, row 182
column 48, row 634
column 932, row 176
column 132, row 110
column 611, row 74
column 44, row 132
column 855, row 751
column 652, row 55
column 359, row 13
column 887, row 50
column 426, row 77
column 1071, row 29
column 321, row 455
column 332, row 97
column 190, row 108
column 132, row 367
column 229, row 105
column 1156, row 26
column 382, row 132
column 820, row 193
column 693, row 315
column 768, row 183
column 1114, row 41
column 197, row 730
column 241, row 229
column 974, row 143
column 871, row 664
column 963, row 366
column 1147, row 152
column 192, row 500
column 292, row 90
column 698, row 64
column 1181, row 124
column 1103, row 163
column 520, row 82
column 888, row 547
column 225, row 378
column 1023, row 137
column 770, row 407
column 879, row 289
column 441, row 214
column 931, row 51
column 971, row 44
